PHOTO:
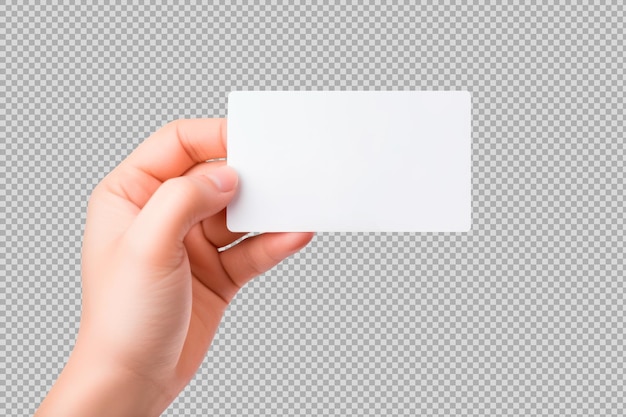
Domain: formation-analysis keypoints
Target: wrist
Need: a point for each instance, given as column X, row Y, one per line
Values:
column 89, row 386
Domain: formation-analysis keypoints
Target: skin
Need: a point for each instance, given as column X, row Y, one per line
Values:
column 154, row 284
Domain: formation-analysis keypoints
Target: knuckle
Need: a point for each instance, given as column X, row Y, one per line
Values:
column 176, row 189
column 251, row 263
column 95, row 195
column 173, row 124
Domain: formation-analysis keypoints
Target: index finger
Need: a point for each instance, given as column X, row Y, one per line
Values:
column 178, row 146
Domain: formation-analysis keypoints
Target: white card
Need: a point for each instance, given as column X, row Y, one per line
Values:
column 350, row 161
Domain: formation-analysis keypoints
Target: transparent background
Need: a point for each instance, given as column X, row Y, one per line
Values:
column 523, row 316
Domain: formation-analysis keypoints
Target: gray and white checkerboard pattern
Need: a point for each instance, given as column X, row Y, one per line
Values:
column 522, row 316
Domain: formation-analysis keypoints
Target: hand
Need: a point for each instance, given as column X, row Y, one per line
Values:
column 155, row 285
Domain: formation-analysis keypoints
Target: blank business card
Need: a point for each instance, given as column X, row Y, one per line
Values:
column 350, row 161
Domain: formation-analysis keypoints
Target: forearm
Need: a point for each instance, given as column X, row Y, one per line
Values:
column 85, row 388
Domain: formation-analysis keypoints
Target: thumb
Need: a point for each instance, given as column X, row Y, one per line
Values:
column 158, row 231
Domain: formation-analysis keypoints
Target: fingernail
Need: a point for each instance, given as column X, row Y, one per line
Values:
column 224, row 178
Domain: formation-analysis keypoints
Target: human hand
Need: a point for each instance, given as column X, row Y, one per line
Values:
column 155, row 285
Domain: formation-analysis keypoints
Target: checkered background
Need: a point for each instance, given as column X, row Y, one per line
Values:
column 523, row 316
